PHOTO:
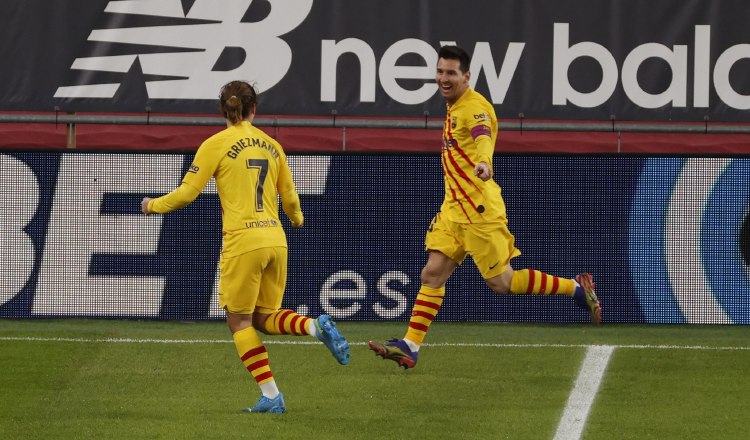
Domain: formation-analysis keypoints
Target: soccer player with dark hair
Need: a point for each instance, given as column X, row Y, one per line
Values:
column 472, row 219
column 251, row 173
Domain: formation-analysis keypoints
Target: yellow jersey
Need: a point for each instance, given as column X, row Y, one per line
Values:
column 251, row 173
column 469, row 136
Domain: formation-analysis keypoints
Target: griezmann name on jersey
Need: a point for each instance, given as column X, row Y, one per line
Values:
column 251, row 172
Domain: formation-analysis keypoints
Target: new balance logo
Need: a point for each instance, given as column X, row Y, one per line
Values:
column 190, row 71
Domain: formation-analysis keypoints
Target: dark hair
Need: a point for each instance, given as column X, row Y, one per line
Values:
column 456, row 53
column 236, row 100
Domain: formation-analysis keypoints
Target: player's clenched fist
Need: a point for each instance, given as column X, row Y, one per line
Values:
column 483, row 171
column 144, row 205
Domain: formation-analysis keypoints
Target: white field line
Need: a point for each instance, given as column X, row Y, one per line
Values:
column 310, row 341
column 582, row 397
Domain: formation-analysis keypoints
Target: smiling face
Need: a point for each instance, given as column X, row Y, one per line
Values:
column 451, row 81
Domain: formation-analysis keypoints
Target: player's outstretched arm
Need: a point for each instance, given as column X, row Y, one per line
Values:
column 179, row 198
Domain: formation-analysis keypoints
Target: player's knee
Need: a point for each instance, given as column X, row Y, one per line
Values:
column 499, row 284
column 499, row 289
column 237, row 322
column 431, row 277
column 259, row 323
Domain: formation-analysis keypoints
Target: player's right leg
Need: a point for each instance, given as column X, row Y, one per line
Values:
column 328, row 334
column 288, row 322
column 405, row 351
column 396, row 350
column 273, row 320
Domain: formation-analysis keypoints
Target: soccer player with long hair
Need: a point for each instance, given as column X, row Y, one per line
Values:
column 251, row 172
column 472, row 219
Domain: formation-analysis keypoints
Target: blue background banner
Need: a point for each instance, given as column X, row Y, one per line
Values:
column 663, row 236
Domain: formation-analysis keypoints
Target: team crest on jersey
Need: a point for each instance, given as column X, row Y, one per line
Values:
column 454, row 122
column 449, row 143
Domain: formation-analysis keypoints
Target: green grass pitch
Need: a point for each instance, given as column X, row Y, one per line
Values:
column 80, row 379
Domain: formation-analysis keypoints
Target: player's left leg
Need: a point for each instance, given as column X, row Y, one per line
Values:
column 492, row 247
column 534, row 282
column 254, row 357
column 269, row 318
column 585, row 297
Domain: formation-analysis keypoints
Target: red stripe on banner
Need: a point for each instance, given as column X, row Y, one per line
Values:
column 255, row 365
column 254, row 352
column 544, row 283
column 261, row 377
column 531, row 281
column 418, row 326
column 555, row 284
column 422, row 314
column 186, row 139
column 427, row 304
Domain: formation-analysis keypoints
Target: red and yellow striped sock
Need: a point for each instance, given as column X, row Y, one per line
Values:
column 286, row 322
column 533, row 282
column 425, row 310
column 253, row 354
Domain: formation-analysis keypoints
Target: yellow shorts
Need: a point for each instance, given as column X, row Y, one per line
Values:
column 491, row 245
column 253, row 280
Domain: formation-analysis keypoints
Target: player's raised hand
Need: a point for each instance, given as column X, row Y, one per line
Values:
column 483, row 171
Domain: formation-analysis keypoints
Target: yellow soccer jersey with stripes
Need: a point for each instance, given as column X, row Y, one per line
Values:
column 251, row 172
column 469, row 136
